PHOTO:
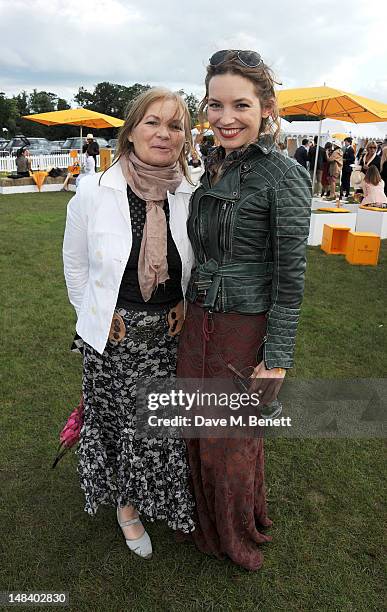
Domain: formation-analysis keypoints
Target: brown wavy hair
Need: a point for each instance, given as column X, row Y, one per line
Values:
column 136, row 111
column 263, row 80
column 372, row 176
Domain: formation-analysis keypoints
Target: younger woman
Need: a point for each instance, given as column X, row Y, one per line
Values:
column 248, row 225
column 373, row 187
column 23, row 163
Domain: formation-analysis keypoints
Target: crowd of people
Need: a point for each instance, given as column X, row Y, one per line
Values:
column 340, row 161
column 90, row 149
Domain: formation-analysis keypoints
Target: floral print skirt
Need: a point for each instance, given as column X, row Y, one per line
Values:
column 115, row 466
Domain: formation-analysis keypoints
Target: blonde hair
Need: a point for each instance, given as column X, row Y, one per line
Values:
column 371, row 143
column 136, row 111
column 263, row 80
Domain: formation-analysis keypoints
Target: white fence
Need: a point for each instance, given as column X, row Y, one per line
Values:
column 39, row 162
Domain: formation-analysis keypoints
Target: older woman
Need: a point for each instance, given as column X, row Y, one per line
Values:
column 248, row 226
column 369, row 157
column 127, row 262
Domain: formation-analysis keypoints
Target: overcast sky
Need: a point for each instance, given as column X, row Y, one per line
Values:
column 59, row 45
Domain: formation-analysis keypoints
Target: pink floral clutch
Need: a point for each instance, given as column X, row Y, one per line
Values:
column 69, row 435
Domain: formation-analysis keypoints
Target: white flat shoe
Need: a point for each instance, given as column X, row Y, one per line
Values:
column 141, row 546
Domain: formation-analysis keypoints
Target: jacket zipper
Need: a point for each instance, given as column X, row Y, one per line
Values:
column 225, row 224
column 198, row 227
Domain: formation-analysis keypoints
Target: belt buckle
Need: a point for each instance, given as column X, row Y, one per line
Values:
column 117, row 328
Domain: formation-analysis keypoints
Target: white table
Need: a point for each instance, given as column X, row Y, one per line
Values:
column 318, row 203
column 318, row 220
column 372, row 221
column 352, row 207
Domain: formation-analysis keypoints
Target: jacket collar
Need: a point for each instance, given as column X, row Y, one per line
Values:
column 265, row 144
column 229, row 188
column 114, row 179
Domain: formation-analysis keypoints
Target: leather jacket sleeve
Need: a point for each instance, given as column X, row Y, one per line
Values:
column 289, row 227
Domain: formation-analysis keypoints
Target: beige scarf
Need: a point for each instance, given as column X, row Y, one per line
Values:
column 151, row 183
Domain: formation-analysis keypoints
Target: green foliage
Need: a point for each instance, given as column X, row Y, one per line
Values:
column 62, row 104
column 42, row 101
column 109, row 98
column 193, row 103
column 8, row 113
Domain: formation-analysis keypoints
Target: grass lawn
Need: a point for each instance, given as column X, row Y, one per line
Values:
column 325, row 497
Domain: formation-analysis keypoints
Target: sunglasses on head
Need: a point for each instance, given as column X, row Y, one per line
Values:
column 251, row 59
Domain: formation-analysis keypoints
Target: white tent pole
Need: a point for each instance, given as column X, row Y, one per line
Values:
column 80, row 146
column 316, row 156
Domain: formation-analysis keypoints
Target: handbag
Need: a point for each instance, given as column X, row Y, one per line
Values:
column 69, row 436
column 357, row 177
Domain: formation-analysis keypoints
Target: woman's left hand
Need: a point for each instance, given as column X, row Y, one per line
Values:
column 261, row 371
column 267, row 382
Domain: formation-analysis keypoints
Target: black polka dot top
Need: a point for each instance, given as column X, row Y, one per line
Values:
column 166, row 294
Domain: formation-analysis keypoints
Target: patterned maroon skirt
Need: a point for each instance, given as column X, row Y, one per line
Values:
column 227, row 474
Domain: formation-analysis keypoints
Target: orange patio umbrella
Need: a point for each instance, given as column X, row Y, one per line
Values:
column 318, row 103
column 81, row 117
column 39, row 177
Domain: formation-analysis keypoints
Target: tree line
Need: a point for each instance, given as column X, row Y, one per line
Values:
column 109, row 98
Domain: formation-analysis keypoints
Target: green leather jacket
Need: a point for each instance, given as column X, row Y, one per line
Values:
column 249, row 233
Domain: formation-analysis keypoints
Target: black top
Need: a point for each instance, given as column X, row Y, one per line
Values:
column 166, row 294
column 320, row 159
column 301, row 155
column 374, row 162
column 348, row 158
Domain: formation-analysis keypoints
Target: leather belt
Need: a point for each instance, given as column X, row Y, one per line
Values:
column 210, row 274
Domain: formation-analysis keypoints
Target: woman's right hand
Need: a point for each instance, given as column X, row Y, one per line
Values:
column 176, row 319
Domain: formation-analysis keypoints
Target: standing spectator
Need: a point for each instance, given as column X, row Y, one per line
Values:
column 87, row 168
column 335, row 160
column 197, row 144
column 359, row 153
column 320, row 163
column 283, row 148
column 92, row 148
column 206, row 146
column 348, row 159
column 301, row 154
column 249, row 240
column 369, row 157
column 127, row 262
column 325, row 177
column 383, row 167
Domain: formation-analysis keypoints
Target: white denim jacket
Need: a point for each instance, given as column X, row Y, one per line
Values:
column 97, row 245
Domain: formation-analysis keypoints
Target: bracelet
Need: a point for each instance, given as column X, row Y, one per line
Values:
column 281, row 370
